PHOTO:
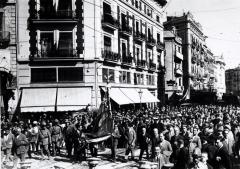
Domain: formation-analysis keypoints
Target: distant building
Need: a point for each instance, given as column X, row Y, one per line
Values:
column 220, row 83
column 8, row 55
column 196, row 54
column 233, row 81
column 173, row 63
column 74, row 48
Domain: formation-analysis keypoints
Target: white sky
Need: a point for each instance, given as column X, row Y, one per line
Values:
column 220, row 20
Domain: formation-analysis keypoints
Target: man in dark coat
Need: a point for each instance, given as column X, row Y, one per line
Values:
column 182, row 156
column 143, row 143
column 155, row 139
column 223, row 160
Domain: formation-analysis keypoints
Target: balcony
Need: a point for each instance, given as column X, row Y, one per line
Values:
column 108, row 55
column 126, row 30
column 126, row 60
column 151, row 41
column 160, row 45
column 59, row 16
column 60, row 54
column 178, row 72
column 179, row 55
column 4, row 39
column 109, row 21
column 141, row 63
column 152, row 65
column 139, row 36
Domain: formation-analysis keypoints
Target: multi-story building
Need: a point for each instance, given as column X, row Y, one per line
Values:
column 220, row 84
column 194, row 50
column 8, row 51
column 233, row 81
column 173, row 63
column 73, row 49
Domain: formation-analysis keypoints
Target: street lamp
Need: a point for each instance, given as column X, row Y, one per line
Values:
column 140, row 92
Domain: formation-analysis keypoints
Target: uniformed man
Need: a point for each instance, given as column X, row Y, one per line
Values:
column 56, row 133
column 44, row 140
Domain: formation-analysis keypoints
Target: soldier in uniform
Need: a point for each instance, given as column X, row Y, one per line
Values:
column 44, row 139
column 56, row 133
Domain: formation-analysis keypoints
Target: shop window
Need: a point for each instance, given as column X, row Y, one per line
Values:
column 70, row 74
column 39, row 75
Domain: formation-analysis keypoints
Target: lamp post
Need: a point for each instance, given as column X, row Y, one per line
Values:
column 140, row 92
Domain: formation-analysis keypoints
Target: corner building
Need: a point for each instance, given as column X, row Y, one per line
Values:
column 196, row 54
column 73, row 49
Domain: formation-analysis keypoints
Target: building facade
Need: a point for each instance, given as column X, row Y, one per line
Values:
column 233, row 81
column 8, row 55
column 173, row 64
column 195, row 52
column 220, row 83
column 73, row 49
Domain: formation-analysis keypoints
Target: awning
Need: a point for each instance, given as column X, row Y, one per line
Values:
column 38, row 100
column 73, row 99
column 147, row 96
column 119, row 97
column 124, row 96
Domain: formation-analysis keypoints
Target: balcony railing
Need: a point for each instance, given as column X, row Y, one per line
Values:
column 151, row 41
column 56, row 54
column 4, row 39
column 152, row 66
column 109, row 21
column 160, row 45
column 60, row 14
column 178, row 72
column 126, row 29
column 110, row 56
column 139, row 36
column 141, row 63
column 127, row 60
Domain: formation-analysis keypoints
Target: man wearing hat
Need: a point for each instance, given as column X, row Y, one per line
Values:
column 44, row 139
column 56, row 133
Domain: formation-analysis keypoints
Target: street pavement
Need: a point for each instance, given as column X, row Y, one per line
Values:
column 61, row 162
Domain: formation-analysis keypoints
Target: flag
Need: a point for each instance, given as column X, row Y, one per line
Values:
column 102, row 123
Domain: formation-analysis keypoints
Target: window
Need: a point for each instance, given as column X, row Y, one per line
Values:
column 137, row 53
column 138, row 79
column 43, row 75
column 124, row 20
column 48, row 48
column 136, row 4
column 1, row 21
column 137, row 27
column 157, row 18
column 124, row 77
column 108, row 74
column 158, row 38
column 106, row 9
column 107, row 43
column 65, row 46
column 56, row 44
column 124, row 49
column 70, row 74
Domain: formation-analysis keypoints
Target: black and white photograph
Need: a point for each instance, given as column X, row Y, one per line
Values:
column 120, row 84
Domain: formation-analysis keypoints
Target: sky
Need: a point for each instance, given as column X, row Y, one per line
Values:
column 220, row 20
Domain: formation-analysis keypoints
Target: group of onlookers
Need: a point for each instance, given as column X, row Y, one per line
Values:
column 199, row 136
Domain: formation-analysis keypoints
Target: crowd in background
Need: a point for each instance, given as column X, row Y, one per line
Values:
column 199, row 136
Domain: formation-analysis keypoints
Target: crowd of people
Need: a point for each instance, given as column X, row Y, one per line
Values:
column 188, row 137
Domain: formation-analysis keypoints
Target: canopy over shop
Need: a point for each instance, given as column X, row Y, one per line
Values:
column 55, row 99
column 125, row 96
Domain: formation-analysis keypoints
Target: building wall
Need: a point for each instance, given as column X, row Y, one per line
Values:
column 220, row 76
column 88, row 40
column 233, row 81
column 194, row 50
column 173, row 47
